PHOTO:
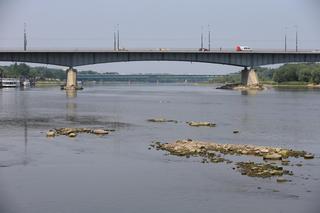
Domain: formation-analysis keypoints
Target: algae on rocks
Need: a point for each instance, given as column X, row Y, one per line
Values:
column 72, row 132
column 198, row 124
column 262, row 170
column 212, row 152
column 161, row 120
column 196, row 151
column 184, row 147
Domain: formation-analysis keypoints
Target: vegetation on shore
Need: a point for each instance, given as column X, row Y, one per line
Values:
column 41, row 73
column 24, row 71
column 285, row 75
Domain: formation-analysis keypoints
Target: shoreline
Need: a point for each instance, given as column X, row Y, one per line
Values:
column 238, row 86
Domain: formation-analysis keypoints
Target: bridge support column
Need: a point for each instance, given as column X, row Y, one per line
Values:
column 71, row 79
column 249, row 77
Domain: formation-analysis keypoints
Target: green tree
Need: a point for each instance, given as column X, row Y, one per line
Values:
column 315, row 76
column 23, row 70
column 305, row 74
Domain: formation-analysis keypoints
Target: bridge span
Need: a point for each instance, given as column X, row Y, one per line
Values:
column 246, row 59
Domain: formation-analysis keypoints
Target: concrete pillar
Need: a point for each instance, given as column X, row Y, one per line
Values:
column 249, row 77
column 71, row 78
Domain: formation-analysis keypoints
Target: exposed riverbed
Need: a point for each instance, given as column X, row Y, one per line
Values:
column 118, row 173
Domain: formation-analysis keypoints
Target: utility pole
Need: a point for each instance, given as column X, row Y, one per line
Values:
column 25, row 37
column 118, row 38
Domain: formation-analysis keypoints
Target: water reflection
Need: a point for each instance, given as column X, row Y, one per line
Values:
column 71, row 93
column 249, row 92
column 71, row 105
column 24, row 105
column 71, row 113
column 25, row 160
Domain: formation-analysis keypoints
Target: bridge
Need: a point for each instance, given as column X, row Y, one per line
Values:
column 245, row 59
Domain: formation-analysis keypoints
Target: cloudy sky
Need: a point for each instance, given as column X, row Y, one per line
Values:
column 74, row 24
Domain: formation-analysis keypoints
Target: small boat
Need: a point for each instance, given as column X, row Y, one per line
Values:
column 9, row 82
column 26, row 83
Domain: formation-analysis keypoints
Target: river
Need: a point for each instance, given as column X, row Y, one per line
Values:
column 118, row 173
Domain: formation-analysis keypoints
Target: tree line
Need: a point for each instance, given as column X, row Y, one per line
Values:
column 24, row 71
column 300, row 73
column 304, row 73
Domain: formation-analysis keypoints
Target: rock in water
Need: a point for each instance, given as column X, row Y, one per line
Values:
column 157, row 120
column 197, row 124
column 72, row 134
column 282, row 180
column 236, row 131
column 272, row 157
column 161, row 120
column 262, row 170
column 308, row 156
column 100, row 131
column 51, row 133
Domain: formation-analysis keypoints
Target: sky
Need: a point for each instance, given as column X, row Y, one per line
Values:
column 154, row 24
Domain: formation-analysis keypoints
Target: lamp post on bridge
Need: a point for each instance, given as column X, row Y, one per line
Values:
column 117, row 43
column 285, row 39
column 25, row 37
column 296, row 26
column 114, row 39
column 201, row 42
column 209, row 38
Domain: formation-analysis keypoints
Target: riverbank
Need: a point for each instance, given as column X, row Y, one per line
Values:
column 291, row 85
column 48, row 83
column 264, row 84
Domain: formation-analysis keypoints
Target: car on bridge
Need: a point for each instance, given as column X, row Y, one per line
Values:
column 163, row 49
column 203, row 49
column 243, row 48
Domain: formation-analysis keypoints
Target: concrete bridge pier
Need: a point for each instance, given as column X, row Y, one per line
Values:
column 71, row 79
column 71, row 83
column 249, row 77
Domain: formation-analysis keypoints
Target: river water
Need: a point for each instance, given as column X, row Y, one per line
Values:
column 118, row 173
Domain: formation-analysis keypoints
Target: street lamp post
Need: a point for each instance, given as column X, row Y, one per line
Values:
column 114, row 39
column 296, row 37
column 25, row 37
column 285, row 40
column 201, row 42
column 118, row 37
column 209, row 38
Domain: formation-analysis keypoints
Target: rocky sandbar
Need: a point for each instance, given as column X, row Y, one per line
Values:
column 73, row 132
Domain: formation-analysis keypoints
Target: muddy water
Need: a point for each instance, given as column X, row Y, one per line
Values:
column 117, row 172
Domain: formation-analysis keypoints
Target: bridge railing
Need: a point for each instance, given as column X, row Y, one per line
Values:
column 163, row 49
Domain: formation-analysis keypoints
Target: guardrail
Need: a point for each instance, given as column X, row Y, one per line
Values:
column 213, row 50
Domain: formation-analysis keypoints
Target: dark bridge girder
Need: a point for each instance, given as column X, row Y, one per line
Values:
column 242, row 59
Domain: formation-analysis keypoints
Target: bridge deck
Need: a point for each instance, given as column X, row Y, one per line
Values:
column 72, row 58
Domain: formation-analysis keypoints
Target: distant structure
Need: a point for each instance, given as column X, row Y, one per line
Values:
column 25, row 37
